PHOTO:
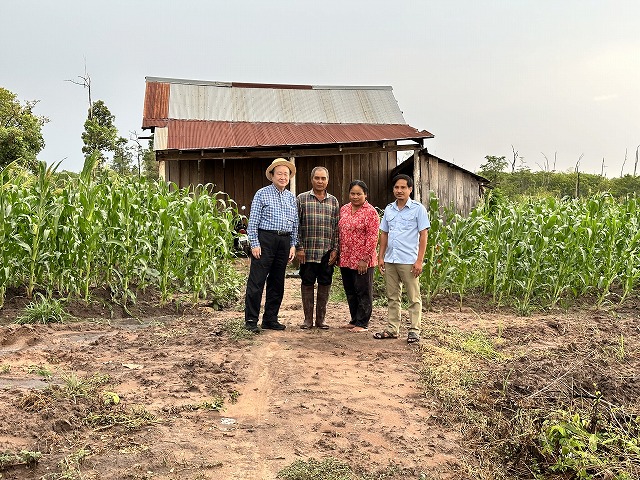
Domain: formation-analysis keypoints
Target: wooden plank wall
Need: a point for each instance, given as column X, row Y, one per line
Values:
column 242, row 178
column 454, row 188
column 372, row 168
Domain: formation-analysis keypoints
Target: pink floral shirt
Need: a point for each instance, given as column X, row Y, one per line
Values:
column 358, row 235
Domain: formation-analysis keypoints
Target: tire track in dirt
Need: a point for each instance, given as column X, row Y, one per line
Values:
column 331, row 393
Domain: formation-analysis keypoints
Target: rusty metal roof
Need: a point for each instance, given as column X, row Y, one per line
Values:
column 201, row 115
column 190, row 134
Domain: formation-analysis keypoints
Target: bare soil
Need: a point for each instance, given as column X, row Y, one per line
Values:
column 288, row 396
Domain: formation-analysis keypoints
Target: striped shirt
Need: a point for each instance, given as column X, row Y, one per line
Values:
column 272, row 209
column 318, row 232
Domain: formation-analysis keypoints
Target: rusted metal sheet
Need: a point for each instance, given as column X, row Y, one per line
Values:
column 190, row 135
column 156, row 105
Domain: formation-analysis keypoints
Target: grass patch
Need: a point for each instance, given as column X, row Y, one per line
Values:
column 312, row 469
column 136, row 417
column 43, row 310
column 24, row 457
column 216, row 404
column 75, row 386
column 531, row 415
column 39, row 370
column 333, row 469
column 454, row 364
column 228, row 287
column 234, row 329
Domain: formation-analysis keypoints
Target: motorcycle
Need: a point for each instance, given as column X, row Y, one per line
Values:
column 241, row 238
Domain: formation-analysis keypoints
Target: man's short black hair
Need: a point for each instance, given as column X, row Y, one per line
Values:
column 402, row 176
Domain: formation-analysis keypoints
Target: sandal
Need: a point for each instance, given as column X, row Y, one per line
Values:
column 413, row 337
column 357, row 329
column 348, row 326
column 384, row 335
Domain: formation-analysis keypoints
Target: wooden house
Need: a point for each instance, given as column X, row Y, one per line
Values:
column 228, row 133
column 456, row 188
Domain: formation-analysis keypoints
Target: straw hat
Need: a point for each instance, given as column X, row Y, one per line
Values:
column 280, row 161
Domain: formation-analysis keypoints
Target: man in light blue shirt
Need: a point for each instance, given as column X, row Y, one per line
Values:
column 403, row 241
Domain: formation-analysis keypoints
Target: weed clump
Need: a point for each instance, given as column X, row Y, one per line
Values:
column 24, row 457
column 327, row 469
column 43, row 310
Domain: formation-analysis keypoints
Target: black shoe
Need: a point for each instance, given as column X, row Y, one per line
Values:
column 273, row 326
column 252, row 327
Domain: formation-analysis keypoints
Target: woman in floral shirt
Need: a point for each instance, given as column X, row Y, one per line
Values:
column 358, row 231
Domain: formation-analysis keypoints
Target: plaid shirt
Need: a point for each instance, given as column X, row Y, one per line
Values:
column 272, row 209
column 318, row 232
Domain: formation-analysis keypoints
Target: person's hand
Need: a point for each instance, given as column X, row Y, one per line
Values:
column 301, row 256
column 292, row 254
column 362, row 267
column 416, row 269
column 381, row 265
column 333, row 256
column 256, row 252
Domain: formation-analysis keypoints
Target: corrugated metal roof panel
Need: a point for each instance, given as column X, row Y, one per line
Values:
column 156, row 103
column 160, row 139
column 195, row 135
column 220, row 102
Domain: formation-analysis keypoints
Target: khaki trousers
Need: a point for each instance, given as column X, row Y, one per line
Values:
column 396, row 275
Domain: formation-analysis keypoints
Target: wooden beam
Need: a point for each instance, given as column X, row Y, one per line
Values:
column 274, row 153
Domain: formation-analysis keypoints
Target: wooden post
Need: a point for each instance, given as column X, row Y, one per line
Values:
column 162, row 172
column 417, row 176
column 292, row 182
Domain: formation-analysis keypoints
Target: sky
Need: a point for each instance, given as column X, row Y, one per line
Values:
column 545, row 78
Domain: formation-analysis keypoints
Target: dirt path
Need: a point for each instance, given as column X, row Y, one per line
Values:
column 286, row 396
column 299, row 394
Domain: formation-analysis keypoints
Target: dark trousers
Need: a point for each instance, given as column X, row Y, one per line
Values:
column 359, row 291
column 269, row 268
column 312, row 271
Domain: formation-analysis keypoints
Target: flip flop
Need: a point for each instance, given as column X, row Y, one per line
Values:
column 347, row 326
column 384, row 335
column 358, row 329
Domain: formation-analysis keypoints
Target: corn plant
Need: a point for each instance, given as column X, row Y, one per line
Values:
column 533, row 254
column 100, row 230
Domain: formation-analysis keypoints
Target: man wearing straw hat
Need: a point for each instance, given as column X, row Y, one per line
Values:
column 273, row 233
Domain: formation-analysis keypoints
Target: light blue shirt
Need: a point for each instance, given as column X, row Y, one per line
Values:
column 404, row 227
column 272, row 209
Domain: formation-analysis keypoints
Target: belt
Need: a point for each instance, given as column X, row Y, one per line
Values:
column 280, row 233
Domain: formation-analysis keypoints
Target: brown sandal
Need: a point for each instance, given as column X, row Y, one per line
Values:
column 383, row 335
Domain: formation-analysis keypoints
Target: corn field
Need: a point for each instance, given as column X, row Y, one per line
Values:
column 538, row 253
column 122, row 234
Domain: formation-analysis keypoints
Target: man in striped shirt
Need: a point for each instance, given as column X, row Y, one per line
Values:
column 317, row 246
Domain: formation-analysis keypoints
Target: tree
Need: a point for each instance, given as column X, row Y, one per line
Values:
column 149, row 163
column 100, row 134
column 20, row 131
column 493, row 168
column 122, row 161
